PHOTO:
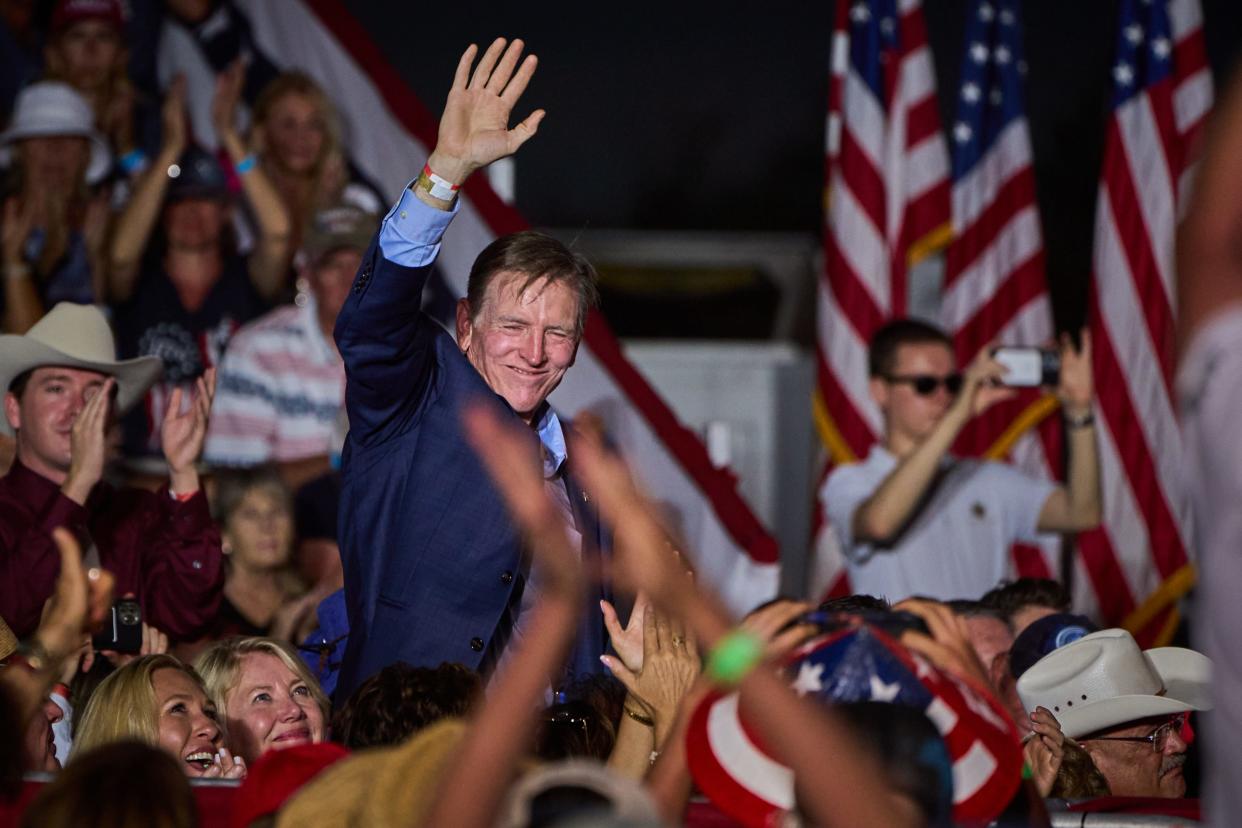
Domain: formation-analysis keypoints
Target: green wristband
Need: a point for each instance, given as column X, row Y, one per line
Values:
column 733, row 657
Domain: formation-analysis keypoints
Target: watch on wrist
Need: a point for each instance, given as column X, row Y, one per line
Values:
column 1081, row 420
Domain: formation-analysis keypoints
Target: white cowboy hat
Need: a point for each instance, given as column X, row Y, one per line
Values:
column 54, row 108
column 1103, row 680
column 75, row 336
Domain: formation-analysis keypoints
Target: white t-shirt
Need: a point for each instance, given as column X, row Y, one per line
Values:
column 957, row 544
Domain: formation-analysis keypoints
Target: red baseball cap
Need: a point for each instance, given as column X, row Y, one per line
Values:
column 68, row 12
column 278, row 775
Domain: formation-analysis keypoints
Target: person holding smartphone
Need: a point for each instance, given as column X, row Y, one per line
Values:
column 914, row 520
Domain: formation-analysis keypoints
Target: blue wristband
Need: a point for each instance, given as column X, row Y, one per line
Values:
column 246, row 164
column 334, row 460
column 133, row 161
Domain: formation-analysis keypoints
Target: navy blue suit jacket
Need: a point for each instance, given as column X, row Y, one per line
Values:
column 432, row 562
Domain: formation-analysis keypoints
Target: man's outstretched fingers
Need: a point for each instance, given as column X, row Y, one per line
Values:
column 517, row 86
column 504, row 69
column 462, row 76
column 486, row 63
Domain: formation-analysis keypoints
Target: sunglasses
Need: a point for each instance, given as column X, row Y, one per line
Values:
column 925, row 384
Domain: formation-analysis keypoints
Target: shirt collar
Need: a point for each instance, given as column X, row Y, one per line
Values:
column 552, row 438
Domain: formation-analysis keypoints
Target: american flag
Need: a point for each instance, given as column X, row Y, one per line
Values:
column 994, row 286
column 887, row 185
column 1138, row 563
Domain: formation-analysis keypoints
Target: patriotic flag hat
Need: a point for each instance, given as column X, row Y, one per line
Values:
column 730, row 763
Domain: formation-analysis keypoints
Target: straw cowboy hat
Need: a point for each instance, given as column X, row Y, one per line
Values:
column 383, row 787
column 1103, row 680
column 75, row 336
column 52, row 108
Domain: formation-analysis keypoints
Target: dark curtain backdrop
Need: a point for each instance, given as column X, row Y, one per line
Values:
column 678, row 116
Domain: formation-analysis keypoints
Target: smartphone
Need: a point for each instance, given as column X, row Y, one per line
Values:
column 122, row 628
column 1029, row 367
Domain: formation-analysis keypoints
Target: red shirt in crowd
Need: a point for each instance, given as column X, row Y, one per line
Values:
column 165, row 552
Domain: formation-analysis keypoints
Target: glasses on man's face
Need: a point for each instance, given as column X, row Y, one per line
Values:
column 1158, row 738
column 926, row 384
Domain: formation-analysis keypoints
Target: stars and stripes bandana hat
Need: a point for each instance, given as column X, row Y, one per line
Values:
column 730, row 763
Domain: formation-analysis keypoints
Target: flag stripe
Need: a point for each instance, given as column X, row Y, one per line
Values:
column 996, row 178
column 1025, row 285
column 1139, row 361
column 1121, row 200
column 1118, row 409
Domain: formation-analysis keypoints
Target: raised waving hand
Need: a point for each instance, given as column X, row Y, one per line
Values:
column 474, row 129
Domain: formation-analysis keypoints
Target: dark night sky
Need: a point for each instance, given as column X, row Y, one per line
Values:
column 671, row 116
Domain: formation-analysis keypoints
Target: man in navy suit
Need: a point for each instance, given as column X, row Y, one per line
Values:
column 434, row 568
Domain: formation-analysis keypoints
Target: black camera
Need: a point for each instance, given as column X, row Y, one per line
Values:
column 122, row 628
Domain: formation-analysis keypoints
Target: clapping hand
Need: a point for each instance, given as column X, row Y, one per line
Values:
column 79, row 604
column 474, row 128
column 512, row 459
column 225, row 766
column 224, row 101
column 18, row 221
column 627, row 640
column 645, row 560
column 182, row 433
column 670, row 664
column 88, row 444
column 172, row 122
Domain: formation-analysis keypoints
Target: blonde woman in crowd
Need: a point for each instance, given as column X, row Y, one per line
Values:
column 296, row 134
column 160, row 701
column 266, row 696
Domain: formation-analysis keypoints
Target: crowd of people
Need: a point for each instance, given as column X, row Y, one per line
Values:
column 263, row 520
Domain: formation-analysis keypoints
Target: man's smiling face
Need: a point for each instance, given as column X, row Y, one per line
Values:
column 522, row 340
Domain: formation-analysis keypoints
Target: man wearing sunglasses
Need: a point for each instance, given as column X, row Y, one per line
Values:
column 911, row 518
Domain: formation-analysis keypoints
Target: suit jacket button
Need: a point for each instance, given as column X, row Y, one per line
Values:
column 476, row 644
column 506, row 577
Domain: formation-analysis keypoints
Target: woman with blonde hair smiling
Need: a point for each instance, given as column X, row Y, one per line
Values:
column 296, row 134
column 160, row 701
column 265, row 694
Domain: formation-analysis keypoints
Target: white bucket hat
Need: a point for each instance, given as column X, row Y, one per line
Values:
column 75, row 336
column 1103, row 680
column 54, row 108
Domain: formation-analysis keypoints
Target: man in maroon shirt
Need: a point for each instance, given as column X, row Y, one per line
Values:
column 64, row 387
